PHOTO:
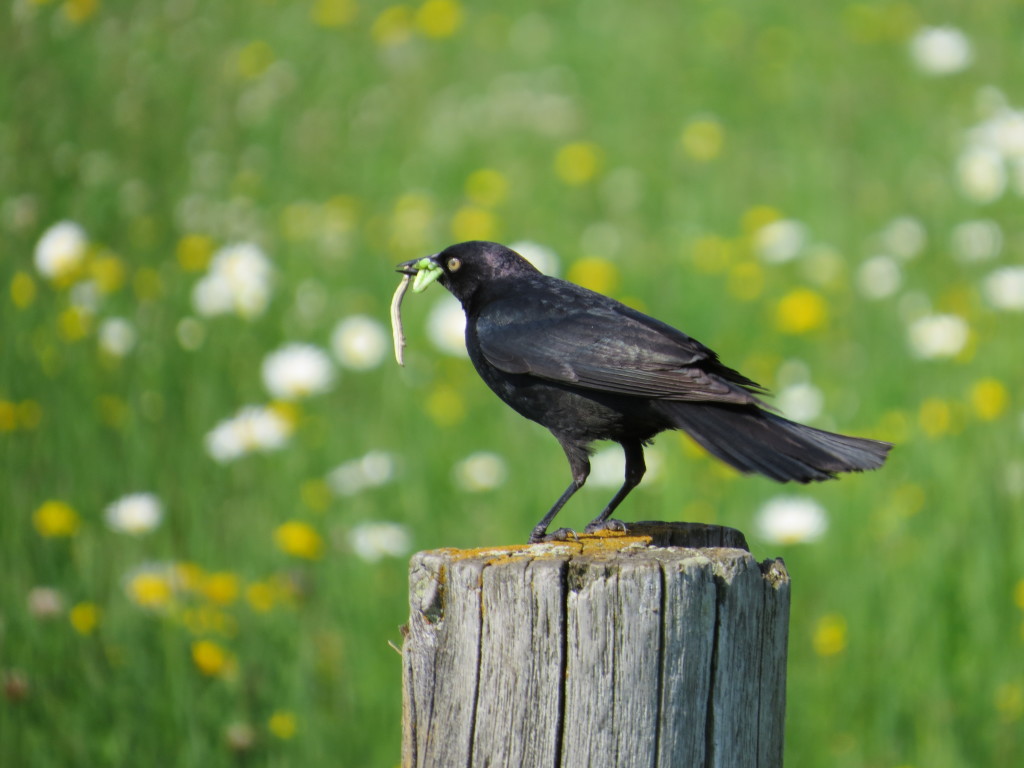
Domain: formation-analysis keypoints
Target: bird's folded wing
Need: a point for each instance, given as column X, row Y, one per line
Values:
column 612, row 352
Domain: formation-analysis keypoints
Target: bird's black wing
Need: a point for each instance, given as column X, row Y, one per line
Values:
column 573, row 336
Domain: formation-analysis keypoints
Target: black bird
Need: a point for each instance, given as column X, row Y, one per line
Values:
column 590, row 368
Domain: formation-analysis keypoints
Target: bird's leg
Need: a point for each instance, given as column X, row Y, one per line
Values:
column 579, row 465
column 635, row 469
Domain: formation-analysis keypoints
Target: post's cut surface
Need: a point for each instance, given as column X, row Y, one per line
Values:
column 663, row 647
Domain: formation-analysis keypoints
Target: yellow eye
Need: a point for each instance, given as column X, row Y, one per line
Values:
column 454, row 264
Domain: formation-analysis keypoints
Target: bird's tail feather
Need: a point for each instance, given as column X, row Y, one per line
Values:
column 758, row 441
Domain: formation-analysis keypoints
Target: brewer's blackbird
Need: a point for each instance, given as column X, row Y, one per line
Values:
column 590, row 368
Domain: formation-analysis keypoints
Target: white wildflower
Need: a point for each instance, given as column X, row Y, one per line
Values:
column 45, row 602
column 1004, row 288
column 296, row 371
column 239, row 280
column 801, row 401
column 134, row 514
column 253, row 428
column 780, row 240
column 372, row 541
column 879, row 277
column 481, row 471
column 978, row 240
column 981, row 173
column 542, row 257
column 791, row 520
column 61, row 250
column 446, row 326
column 904, row 237
column 374, row 469
column 940, row 50
column 359, row 342
column 608, row 467
column 116, row 336
column 938, row 336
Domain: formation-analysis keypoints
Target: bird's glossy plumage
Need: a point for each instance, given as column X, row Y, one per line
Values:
column 590, row 368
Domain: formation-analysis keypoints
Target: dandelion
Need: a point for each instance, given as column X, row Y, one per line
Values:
column 253, row 428
column 578, row 163
column 780, row 241
column 239, row 281
column 938, row 336
column 61, row 251
column 801, row 311
column 359, row 342
column 542, row 257
column 829, row 637
column 879, row 277
column 939, row 51
column 134, row 514
column 221, row 587
column 55, row 519
column 372, row 470
column 1004, row 289
column 989, row 398
column 792, row 520
column 212, row 659
column 334, row 13
column 935, row 417
column 439, row 18
column 151, row 586
column 595, row 273
column 299, row 539
column 45, row 602
column 84, row 617
column 472, row 222
column 116, row 336
column 283, row 724
column 978, row 240
column 487, row 187
column 446, row 326
column 23, row 289
column 481, row 471
column 703, row 139
column 373, row 541
column 296, row 371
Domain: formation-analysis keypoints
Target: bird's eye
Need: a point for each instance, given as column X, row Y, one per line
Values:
column 454, row 264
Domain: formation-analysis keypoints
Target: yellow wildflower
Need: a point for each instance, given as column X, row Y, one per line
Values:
column 74, row 324
column 474, row 223
column 221, row 587
column 1018, row 594
column 147, row 284
column 578, row 163
column 746, row 280
column 108, row 271
column 299, row 539
column 757, row 218
column 283, row 724
column 8, row 416
column 595, row 273
column 254, row 59
column 1009, row 700
column 334, row 13
column 830, row 635
column 800, row 311
column 84, row 617
column 703, row 139
column 194, row 252
column 30, row 413
column 486, row 187
column 78, row 11
column 55, row 519
column 212, row 659
column 439, row 18
column 446, row 406
column 393, row 25
column 23, row 289
column 935, row 417
column 150, row 588
column 989, row 398
column 261, row 596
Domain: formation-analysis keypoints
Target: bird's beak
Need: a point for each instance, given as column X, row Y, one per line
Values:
column 424, row 272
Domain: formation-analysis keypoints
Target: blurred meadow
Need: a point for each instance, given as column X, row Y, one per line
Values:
column 214, row 472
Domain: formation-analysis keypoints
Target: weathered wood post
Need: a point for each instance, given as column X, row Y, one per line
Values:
column 664, row 647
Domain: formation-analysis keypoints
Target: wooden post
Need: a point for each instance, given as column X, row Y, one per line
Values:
column 664, row 647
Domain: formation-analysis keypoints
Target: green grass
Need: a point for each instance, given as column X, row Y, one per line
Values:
column 343, row 150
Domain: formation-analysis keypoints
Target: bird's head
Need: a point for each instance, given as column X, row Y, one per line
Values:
column 466, row 267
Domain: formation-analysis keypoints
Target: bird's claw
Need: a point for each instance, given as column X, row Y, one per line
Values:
column 562, row 534
column 605, row 525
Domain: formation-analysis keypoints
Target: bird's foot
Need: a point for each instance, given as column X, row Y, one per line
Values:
column 562, row 534
column 605, row 525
